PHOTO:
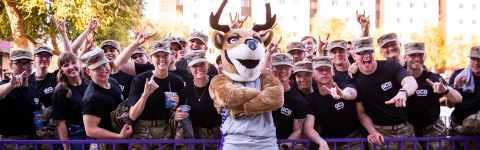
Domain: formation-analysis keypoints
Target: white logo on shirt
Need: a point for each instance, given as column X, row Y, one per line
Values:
column 122, row 87
column 36, row 100
column 48, row 90
column 286, row 111
column 387, row 85
column 422, row 92
column 339, row 106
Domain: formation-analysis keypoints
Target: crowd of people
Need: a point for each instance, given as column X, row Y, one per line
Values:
column 332, row 89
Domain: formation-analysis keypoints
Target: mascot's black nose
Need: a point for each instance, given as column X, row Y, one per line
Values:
column 251, row 43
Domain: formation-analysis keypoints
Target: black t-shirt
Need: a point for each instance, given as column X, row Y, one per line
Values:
column 124, row 80
column 69, row 109
column 202, row 112
column 470, row 103
column 99, row 102
column 212, row 70
column 155, row 105
column 44, row 87
column 184, row 74
column 423, row 106
column 294, row 107
column 377, row 88
column 337, row 118
column 340, row 76
column 17, row 110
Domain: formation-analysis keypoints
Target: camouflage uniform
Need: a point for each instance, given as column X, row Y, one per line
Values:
column 468, row 128
column 204, row 133
column 437, row 129
column 52, row 134
column 94, row 146
column 156, row 129
column 403, row 131
column 15, row 146
column 359, row 133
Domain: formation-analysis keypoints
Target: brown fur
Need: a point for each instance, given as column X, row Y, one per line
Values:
column 244, row 100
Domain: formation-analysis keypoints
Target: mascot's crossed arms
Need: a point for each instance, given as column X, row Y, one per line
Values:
column 242, row 51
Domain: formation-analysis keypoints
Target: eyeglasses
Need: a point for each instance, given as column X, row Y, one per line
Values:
column 363, row 52
column 44, row 56
column 283, row 67
column 20, row 65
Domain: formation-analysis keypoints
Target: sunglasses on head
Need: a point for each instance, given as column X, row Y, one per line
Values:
column 363, row 52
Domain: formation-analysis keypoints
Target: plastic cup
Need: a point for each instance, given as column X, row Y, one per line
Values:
column 185, row 108
column 168, row 99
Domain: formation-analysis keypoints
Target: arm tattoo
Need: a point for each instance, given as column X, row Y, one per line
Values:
column 300, row 123
column 350, row 91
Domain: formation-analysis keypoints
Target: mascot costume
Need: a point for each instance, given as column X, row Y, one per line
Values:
column 243, row 95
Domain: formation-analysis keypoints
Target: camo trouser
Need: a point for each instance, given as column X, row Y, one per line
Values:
column 156, row 129
column 343, row 146
column 15, row 146
column 436, row 129
column 399, row 131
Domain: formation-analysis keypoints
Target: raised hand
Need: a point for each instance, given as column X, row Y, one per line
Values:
column 168, row 35
column 460, row 80
column 93, row 23
column 237, row 23
column 272, row 47
column 60, row 24
column 322, row 45
column 438, row 87
column 150, row 86
column 400, row 100
column 89, row 42
column 363, row 20
column 143, row 36
column 136, row 33
column 17, row 80
column 334, row 91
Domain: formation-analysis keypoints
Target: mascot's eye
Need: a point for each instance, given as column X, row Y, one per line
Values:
column 258, row 39
column 233, row 40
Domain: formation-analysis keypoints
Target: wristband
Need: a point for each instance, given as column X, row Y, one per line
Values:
column 446, row 92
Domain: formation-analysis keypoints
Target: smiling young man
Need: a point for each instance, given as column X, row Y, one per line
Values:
column 309, row 42
column 289, row 118
column 380, row 84
column 181, row 53
column 197, row 41
column 296, row 50
column 423, row 106
column 339, row 56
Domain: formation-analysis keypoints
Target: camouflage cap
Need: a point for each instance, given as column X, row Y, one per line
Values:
column 140, row 50
column 94, row 58
column 182, row 39
column 282, row 59
column 112, row 43
column 173, row 40
column 384, row 39
column 336, row 43
column 322, row 61
column 199, row 35
column 21, row 54
column 39, row 49
column 362, row 44
column 196, row 57
column 295, row 46
column 302, row 66
column 159, row 46
column 414, row 47
column 475, row 52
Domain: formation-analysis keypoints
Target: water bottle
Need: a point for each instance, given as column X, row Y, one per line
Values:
column 38, row 122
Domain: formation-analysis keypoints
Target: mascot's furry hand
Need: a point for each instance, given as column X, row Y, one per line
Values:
column 244, row 100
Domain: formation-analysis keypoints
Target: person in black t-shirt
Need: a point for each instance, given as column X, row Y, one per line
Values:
column 18, row 101
column 205, row 119
column 380, row 84
column 289, row 118
column 302, row 72
column 331, row 109
column 101, row 97
column 140, row 55
column 337, row 49
column 197, row 41
column 147, row 98
column 467, row 82
column 67, row 101
column 423, row 106
column 181, row 53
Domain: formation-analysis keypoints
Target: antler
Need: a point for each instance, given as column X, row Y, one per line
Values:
column 269, row 23
column 215, row 18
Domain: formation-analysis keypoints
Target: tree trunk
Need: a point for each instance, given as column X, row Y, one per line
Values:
column 17, row 24
column 53, row 37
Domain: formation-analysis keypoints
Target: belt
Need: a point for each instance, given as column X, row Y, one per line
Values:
column 394, row 127
column 209, row 131
column 151, row 123
column 22, row 137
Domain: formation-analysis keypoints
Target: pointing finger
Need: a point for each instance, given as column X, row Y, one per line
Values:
column 280, row 40
column 430, row 82
column 328, row 35
column 231, row 19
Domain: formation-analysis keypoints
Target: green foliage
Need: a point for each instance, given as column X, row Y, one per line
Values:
column 335, row 26
column 434, row 39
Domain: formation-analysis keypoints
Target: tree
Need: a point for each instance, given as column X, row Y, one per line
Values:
column 435, row 46
column 335, row 26
column 30, row 20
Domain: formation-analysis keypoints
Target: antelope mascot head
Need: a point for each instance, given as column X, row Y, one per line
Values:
column 242, row 50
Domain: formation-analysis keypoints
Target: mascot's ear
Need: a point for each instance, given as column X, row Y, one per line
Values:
column 267, row 37
column 217, row 39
